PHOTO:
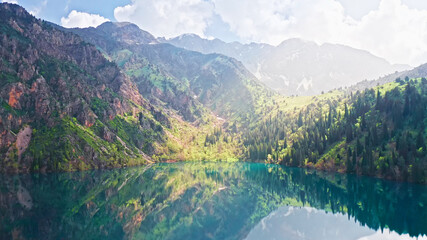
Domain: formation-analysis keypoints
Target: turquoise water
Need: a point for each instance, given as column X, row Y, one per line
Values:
column 209, row 201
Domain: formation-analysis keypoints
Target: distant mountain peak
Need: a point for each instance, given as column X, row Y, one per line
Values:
column 297, row 42
column 189, row 35
column 108, row 26
column 295, row 60
column 119, row 24
column 127, row 32
column 194, row 38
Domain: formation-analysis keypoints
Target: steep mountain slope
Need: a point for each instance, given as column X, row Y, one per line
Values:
column 297, row 67
column 183, row 80
column 63, row 105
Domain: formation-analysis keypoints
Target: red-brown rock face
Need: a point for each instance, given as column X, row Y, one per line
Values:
column 15, row 94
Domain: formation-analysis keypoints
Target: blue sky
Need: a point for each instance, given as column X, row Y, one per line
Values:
column 53, row 10
column 393, row 29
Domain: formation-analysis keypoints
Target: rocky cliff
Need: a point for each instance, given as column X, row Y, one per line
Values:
column 64, row 106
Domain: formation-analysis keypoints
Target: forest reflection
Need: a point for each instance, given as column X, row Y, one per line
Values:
column 196, row 200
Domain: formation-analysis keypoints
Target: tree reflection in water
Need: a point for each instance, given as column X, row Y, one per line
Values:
column 202, row 201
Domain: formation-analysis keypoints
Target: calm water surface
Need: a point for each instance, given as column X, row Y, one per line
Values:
column 209, row 201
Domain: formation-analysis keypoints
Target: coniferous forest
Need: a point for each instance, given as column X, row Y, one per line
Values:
column 377, row 132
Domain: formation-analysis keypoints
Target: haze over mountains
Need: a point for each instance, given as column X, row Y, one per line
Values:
column 413, row 73
column 297, row 67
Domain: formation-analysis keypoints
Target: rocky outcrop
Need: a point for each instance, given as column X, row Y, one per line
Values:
column 160, row 117
column 68, row 93
column 15, row 94
column 23, row 140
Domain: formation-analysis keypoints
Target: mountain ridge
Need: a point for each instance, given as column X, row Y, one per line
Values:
column 308, row 64
column 77, row 99
column 175, row 63
column 417, row 72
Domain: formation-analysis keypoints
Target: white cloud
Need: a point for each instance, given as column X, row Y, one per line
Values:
column 167, row 18
column 10, row 1
column 67, row 5
column 392, row 31
column 82, row 19
column 35, row 11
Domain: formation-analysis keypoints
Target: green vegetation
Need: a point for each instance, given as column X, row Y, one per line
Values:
column 176, row 105
column 99, row 106
column 8, row 109
column 66, row 147
column 12, row 33
column 191, row 144
column 8, row 78
column 378, row 132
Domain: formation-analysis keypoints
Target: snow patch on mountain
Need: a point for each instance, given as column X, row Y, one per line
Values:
column 306, row 84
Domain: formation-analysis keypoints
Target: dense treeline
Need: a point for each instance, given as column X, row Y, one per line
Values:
column 378, row 132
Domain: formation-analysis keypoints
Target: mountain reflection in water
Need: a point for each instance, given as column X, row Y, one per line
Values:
column 209, row 201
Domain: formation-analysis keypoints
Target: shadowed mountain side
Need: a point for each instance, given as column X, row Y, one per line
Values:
column 183, row 80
